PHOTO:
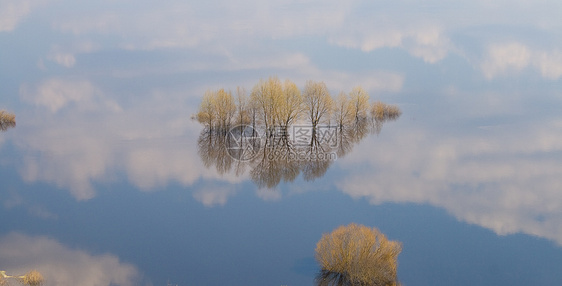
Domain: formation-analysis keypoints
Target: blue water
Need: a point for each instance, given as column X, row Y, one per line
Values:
column 102, row 182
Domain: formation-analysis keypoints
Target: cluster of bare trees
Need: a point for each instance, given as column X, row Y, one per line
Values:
column 31, row 278
column 7, row 120
column 273, row 107
column 357, row 255
column 273, row 103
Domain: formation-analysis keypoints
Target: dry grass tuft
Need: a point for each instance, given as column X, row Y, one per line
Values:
column 33, row 278
column 7, row 120
column 358, row 255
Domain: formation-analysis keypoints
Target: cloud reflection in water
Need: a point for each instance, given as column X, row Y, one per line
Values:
column 496, row 178
column 61, row 265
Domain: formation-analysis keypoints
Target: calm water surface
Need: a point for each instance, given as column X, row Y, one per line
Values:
column 103, row 180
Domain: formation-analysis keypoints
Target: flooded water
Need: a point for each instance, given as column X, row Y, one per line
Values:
column 106, row 178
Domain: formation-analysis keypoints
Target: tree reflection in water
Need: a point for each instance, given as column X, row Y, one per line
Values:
column 283, row 156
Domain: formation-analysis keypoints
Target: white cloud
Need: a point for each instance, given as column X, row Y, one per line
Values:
column 430, row 44
column 270, row 61
column 195, row 25
column 268, row 194
column 57, row 93
column 65, row 55
column 372, row 81
column 14, row 201
column 181, row 24
column 158, row 164
column 502, row 59
column 61, row 265
column 549, row 63
column 426, row 42
column 214, row 195
column 13, row 12
column 294, row 66
column 225, row 28
column 368, row 43
column 63, row 59
column 153, row 142
column 69, row 158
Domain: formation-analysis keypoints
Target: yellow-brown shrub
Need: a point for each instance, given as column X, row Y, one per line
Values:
column 7, row 120
column 32, row 278
column 358, row 255
column 382, row 112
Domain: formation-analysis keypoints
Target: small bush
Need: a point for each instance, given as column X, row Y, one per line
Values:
column 357, row 255
column 378, row 110
column 7, row 120
column 382, row 112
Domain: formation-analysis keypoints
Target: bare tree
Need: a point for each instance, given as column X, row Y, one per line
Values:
column 273, row 103
column 343, row 113
column 265, row 97
column 290, row 104
column 206, row 112
column 225, row 108
column 317, row 102
column 359, row 102
column 242, row 107
column 217, row 109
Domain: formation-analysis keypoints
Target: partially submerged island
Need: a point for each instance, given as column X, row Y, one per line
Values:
column 273, row 104
column 7, row 120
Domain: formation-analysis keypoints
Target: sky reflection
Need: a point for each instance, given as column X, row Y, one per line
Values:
column 104, row 93
column 493, row 178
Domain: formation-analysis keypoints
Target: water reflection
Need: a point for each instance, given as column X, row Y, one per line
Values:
column 283, row 155
column 328, row 278
column 62, row 265
column 31, row 278
column 493, row 176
